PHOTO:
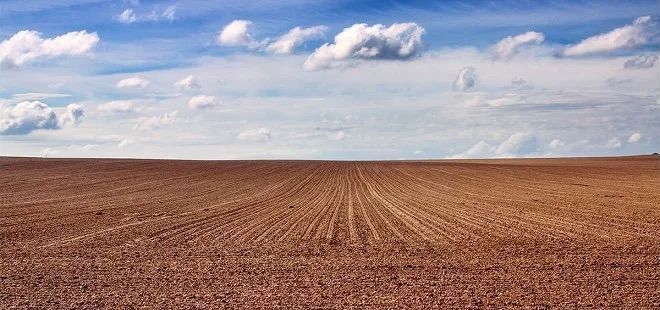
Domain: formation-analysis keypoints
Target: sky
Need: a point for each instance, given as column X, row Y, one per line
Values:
column 345, row 80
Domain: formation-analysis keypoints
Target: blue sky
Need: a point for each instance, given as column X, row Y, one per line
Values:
column 329, row 79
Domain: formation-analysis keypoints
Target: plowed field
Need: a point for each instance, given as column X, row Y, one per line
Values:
column 96, row 233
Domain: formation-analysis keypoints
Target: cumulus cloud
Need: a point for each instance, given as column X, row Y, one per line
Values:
column 641, row 62
column 287, row 43
column 628, row 36
column 635, row 137
column 27, row 46
column 255, row 135
column 72, row 116
column 237, row 33
column 127, row 17
column 202, row 102
column 118, row 106
column 27, row 116
column 150, row 123
column 465, row 80
column 133, row 82
column 188, row 83
column 399, row 41
column 509, row 46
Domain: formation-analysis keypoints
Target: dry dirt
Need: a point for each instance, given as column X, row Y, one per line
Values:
column 533, row 233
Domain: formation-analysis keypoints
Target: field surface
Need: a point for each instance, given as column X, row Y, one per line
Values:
column 529, row 233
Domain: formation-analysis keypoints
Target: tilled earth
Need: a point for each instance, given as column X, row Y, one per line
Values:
column 528, row 233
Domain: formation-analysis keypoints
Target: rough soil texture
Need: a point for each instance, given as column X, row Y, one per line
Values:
column 532, row 233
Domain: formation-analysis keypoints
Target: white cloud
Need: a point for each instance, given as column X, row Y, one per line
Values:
column 27, row 116
column 337, row 136
column 72, row 116
column 127, row 16
column 509, row 46
column 27, row 45
column 169, row 13
column 361, row 41
column 82, row 148
column 38, row 96
column 465, row 80
column 236, row 33
column 133, row 82
column 118, row 106
column 556, row 144
column 188, row 83
column 628, row 36
column 480, row 149
column 635, row 137
column 613, row 143
column 296, row 36
column 255, row 135
column 519, row 143
column 202, row 102
column 153, row 122
column 125, row 142
column 641, row 62
column 570, row 102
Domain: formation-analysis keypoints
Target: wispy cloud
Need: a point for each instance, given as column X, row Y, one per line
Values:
column 287, row 43
column 629, row 36
column 641, row 62
column 153, row 122
column 129, row 16
column 255, row 135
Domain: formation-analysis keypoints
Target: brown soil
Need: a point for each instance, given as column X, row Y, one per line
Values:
column 532, row 233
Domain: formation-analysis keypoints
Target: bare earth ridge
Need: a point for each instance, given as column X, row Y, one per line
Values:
column 528, row 233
